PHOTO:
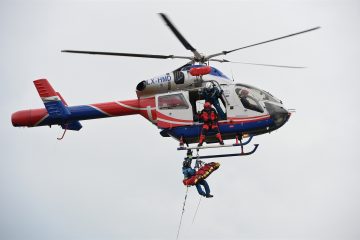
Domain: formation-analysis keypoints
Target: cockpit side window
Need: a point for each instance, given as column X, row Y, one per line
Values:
column 248, row 101
column 173, row 101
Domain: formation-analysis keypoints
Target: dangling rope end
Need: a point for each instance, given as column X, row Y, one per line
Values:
column 63, row 135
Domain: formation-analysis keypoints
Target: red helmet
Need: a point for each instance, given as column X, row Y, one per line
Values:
column 207, row 105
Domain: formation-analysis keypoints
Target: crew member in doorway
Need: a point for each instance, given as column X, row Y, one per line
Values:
column 210, row 119
column 188, row 172
column 212, row 94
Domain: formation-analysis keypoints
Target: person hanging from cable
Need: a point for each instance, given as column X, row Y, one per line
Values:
column 189, row 172
column 211, row 94
column 209, row 118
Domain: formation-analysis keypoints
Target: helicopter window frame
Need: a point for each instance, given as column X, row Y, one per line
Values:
column 172, row 101
column 269, row 97
column 249, row 102
column 217, row 72
column 197, row 103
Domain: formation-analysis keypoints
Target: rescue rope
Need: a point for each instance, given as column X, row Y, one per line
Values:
column 198, row 163
column 183, row 210
column 197, row 208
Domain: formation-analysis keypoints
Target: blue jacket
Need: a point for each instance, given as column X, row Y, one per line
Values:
column 188, row 172
column 211, row 95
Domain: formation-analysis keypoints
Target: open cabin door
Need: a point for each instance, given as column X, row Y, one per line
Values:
column 173, row 109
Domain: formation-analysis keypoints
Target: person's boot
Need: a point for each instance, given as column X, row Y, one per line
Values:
column 218, row 136
column 209, row 195
column 201, row 140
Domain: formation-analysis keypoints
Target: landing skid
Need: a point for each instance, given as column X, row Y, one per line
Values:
column 237, row 144
column 217, row 146
column 231, row 154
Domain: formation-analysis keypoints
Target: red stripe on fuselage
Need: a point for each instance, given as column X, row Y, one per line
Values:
column 144, row 102
column 114, row 109
column 128, row 107
column 247, row 119
column 165, row 117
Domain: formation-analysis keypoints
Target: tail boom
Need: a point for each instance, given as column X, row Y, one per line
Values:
column 57, row 111
column 40, row 117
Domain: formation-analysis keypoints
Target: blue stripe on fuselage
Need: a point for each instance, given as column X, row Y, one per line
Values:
column 77, row 113
column 194, row 130
column 85, row 112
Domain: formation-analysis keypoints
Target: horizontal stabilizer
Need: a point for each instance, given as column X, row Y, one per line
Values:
column 75, row 126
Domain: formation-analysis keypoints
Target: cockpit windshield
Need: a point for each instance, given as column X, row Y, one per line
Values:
column 259, row 94
column 248, row 100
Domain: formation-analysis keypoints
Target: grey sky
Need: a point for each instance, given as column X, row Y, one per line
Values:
column 119, row 179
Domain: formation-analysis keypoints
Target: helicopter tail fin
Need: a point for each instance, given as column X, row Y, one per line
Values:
column 55, row 104
column 52, row 101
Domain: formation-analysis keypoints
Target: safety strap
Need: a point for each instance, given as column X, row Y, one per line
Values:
column 198, row 163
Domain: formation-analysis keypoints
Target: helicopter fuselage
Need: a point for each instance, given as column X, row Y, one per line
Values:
column 172, row 103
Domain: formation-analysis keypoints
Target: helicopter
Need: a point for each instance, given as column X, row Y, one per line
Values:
column 172, row 101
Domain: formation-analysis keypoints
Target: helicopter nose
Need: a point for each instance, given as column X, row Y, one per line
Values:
column 278, row 114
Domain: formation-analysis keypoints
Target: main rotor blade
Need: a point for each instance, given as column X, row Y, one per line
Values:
column 186, row 64
column 252, row 45
column 127, row 54
column 257, row 64
column 179, row 36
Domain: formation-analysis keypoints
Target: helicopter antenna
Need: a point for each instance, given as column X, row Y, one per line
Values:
column 232, row 74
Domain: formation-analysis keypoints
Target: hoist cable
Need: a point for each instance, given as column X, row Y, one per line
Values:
column 183, row 210
column 197, row 208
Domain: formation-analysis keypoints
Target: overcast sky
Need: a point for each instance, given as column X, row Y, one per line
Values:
column 119, row 179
